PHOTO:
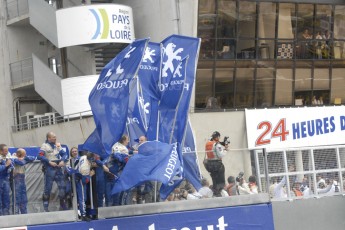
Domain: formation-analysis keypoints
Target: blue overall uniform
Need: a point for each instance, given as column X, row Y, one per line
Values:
column 82, row 167
column 100, row 182
column 5, row 187
column 49, row 152
column 21, row 199
column 116, row 162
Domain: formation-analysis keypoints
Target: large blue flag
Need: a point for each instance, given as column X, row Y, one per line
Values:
column 149, row 74
column 155, row 161
column 175, row 47
column 109, row 98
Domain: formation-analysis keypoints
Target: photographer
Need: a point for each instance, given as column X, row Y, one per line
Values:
column 244, row 187
column 214, row 152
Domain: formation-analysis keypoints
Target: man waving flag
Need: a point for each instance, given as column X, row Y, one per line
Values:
column 155, row 161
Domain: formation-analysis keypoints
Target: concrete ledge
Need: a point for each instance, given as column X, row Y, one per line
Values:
column 133, row 210
column 180, row 206
column 38, row 218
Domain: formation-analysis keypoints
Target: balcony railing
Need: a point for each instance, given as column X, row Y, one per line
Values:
column 21, row 72
column 31, row 120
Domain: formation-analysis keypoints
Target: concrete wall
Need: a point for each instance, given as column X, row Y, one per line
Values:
column 5, row 82
column 158, row 19
column 230, row 124
column 310, row 214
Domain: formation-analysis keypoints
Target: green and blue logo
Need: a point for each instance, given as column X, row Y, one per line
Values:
column 117, row 26
column 105, row 32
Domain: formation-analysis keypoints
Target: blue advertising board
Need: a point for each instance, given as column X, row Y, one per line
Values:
column 34, row 150
column 250, row 217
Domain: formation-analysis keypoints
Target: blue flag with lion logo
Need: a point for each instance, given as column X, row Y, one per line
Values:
column 176, row 73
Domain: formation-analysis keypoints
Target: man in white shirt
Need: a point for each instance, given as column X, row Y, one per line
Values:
column 205, row 190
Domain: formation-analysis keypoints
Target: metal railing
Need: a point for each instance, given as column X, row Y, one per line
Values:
column 310, row 172
column 38, row 121
column 21, row 72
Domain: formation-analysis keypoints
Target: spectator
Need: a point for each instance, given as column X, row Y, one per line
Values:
column 20, row 160
column 318, row 35
column 296, row 188
column 247, row 188
column 231, row 188
column 192, row 193
column 224, row 193
column 271, row 187
column 334, row 186
column 306, row 34
column 252, row 185
column 327, row 35
column 6, row 167
column 304, row 187
column 214, row 153
column 279, row 189
column 319, row 181
column 205, row 190
column 53, row 157
column 326, row 189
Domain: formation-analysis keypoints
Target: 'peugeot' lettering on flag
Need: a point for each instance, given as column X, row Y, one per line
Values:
column 190, row 158
column 109, row 98
column 155, row 161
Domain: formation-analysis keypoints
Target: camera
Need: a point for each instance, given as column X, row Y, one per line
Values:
column 226, row 141
column 240, row 176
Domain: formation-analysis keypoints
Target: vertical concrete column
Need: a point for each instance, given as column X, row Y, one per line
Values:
column 299, row 164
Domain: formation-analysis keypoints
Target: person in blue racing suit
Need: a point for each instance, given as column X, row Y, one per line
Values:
column 19, row 161
column 6, row 166
column 53, row 157
column 116, row 162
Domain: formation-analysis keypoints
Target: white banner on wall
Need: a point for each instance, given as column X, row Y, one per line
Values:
column 100, row 23
column 295, row 127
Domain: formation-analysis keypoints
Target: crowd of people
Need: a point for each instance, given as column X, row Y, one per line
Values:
column 300, row 187
column 319, row 48
column 62, row 168
column 95, row 175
